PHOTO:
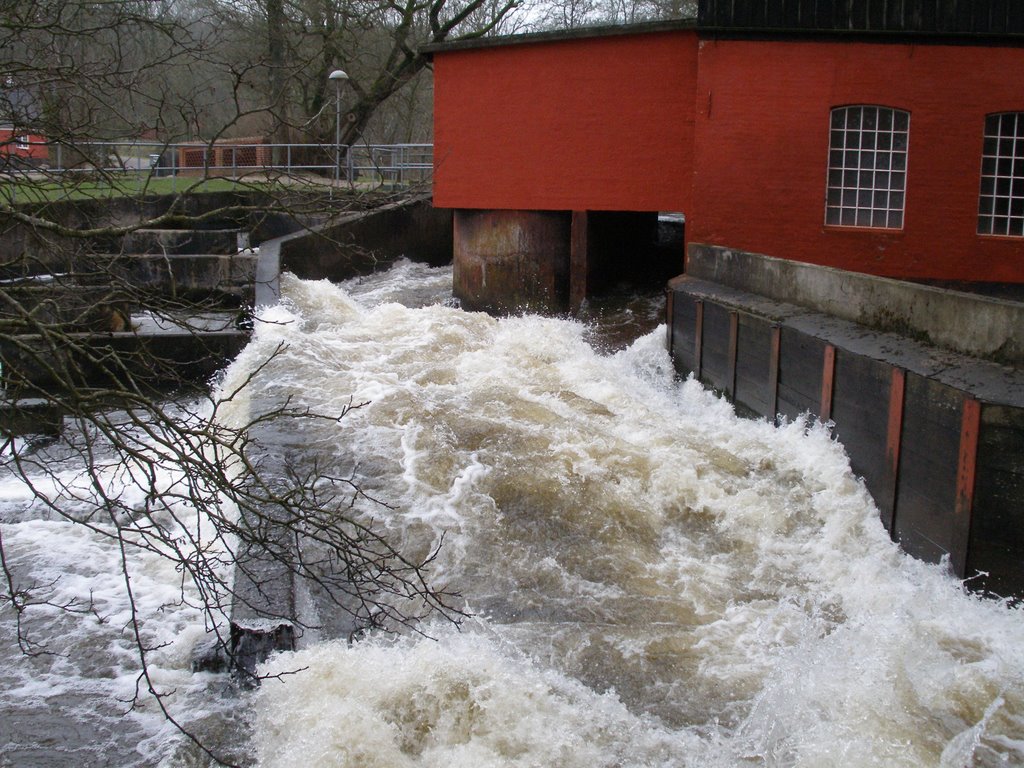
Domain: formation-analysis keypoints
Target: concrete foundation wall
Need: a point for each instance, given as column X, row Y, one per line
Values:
column 937, row 436
column 974, row 325
column 181, row 241
column 197, row 275
column 36, row 367
column 552, row 261
column 27, row 250
column 361, row 242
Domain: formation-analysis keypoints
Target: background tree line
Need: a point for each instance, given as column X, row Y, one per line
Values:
column 179, row 70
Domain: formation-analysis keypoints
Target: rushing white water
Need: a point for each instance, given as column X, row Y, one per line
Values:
column 77, row 697
column 654, row 581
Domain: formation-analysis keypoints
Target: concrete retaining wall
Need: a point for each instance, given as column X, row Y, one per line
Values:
column 25, row 250
column 937, row 436
column 39, row 367
column 975, row 325
column 363, row 241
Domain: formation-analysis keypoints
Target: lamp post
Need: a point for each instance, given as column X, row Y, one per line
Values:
column 338, row 76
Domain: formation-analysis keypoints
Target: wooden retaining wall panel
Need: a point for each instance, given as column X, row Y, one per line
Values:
column 800, row 368
column 860, row 409
column 684, row 323
column 753, row 367
column 938, row 438
column 997, row 532
column 924, row 523
column 715, row 343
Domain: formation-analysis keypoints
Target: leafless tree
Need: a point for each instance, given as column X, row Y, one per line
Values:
column 378, row 43
column 142, row 451
column 571, row 14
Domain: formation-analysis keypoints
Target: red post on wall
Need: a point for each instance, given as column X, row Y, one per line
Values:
column 773, row 373
column 828, row 373
column 970, row 424
column 893, row 439
column 734, row 332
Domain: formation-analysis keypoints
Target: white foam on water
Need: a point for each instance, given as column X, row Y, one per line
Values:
column 466, row 700
column 657, row 582
column 73, row 703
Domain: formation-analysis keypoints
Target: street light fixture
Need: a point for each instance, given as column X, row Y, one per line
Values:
column 338, row 76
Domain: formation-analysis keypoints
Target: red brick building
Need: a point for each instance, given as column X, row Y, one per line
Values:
column 878, row 137
column 19, row 145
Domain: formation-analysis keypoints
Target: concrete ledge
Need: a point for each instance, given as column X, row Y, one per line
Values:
column 974, row 325
column 177, row 274
column 181, row 241
column 30, row 416
column 998, row 384
column 263, row 618
column 33, row 366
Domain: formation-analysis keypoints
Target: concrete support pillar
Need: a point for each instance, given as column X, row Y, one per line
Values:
column 508, row 261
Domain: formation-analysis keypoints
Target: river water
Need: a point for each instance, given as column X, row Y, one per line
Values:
column 652, row 580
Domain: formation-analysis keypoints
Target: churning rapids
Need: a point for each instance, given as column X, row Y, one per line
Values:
column 653, row 581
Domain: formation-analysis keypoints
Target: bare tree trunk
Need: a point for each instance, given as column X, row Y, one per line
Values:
column 278, row 78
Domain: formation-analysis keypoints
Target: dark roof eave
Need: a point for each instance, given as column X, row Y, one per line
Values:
column 921, row 37
column 558, row 35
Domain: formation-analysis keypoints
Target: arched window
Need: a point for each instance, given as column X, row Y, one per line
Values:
column 1001, row 201
column 867, row 167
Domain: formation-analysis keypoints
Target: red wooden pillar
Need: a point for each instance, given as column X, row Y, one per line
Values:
column 828, row 373
column 893, row 439
column 734, row 332
column 966, row 471
column 773, row 374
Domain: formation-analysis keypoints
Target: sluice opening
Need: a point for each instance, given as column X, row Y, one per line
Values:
column 558, row 262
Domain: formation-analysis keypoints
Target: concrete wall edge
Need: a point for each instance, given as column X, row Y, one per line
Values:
column 970, row 324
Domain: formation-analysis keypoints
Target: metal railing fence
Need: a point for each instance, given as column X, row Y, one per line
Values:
column 359, row 163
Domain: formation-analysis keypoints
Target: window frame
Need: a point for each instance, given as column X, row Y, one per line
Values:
column 1002, row 175
column 867, row 167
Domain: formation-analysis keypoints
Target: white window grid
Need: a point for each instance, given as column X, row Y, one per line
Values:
column 1001, row 200
column 867, row 167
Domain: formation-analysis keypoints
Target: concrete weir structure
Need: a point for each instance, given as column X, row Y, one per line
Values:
column 925, row 388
